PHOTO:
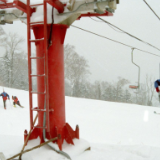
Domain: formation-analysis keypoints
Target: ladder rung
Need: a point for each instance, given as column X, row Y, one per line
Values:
column 36, row 40
column 36, row 57
column 39, row 22
column 41, row 110
column 34, row 5
column 38, row 92
column 36, row 75
column 40, row 127
column 37, row 109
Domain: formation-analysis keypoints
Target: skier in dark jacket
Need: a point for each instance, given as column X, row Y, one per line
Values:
column 16, row 101
column 4, row 96
column 156, row 85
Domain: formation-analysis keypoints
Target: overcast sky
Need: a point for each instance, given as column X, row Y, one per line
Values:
column 109, row 60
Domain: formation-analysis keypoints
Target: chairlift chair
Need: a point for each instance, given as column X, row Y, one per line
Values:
column 134, row 86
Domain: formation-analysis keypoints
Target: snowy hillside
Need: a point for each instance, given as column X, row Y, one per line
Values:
column 115, row 131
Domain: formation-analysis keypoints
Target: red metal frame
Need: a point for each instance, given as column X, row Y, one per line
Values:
column 94, row 15
column 46, row 65
column 42, row 74
column 53, row 84
column 56, row 4
column 16, row 4
column 6, row 5
column 21, row 6
column 29, row 62
column 58, row 127
column 4, row 1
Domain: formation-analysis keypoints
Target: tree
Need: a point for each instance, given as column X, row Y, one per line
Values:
column 89, row 91
column 13, row 66
column 76, row 69
column 68, row 88
column 127, row 96
column 98, row 90
column 150, row 89
column 3, row 36
column 107, row 91
column 118, row 88
column 141, row 94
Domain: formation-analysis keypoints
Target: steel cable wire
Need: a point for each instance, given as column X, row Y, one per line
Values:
column 115, row 41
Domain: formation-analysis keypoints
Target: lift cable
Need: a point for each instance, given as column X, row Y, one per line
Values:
column 114, row 40
column 152, row 9
column 128, row 33
column 108, row 24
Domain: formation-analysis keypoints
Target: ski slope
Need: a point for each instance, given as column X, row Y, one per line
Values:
column 115, row 131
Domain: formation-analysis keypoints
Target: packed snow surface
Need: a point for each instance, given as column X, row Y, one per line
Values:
column 114, row 131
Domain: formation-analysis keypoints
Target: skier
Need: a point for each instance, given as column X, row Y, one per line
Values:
column 16, row 101
column 156, row 85
column 4, row 96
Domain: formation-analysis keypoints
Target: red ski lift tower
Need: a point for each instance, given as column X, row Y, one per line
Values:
column 50, row 30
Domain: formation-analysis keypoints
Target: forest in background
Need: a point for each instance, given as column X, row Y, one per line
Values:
column 14, row 74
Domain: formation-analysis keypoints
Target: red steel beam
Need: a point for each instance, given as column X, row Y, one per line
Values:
column 46, row 66
column 7, row 5
column 56, row 4
column 95, row 15
column 21, row 6
column 4, row 1
column 16, row 4
column 29, row 62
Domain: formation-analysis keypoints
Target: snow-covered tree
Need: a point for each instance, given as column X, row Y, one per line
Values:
column 13, row 64
column 150, row 89
column 76, row 69
column 3, row 36
column 127, row 96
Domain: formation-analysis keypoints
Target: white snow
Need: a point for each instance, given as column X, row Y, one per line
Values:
column 114, row 131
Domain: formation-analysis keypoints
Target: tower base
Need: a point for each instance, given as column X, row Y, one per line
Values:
column 69, row 133
column 71, row 151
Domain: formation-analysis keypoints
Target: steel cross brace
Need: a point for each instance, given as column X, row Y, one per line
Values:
column 16, row 4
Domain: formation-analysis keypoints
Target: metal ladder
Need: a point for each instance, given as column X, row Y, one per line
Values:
column 45, row 58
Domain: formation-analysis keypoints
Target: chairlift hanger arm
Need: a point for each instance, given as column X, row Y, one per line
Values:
column 132, row 59
column 136, row 65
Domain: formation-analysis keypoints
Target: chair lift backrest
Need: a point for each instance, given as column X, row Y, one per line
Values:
column 133, row 86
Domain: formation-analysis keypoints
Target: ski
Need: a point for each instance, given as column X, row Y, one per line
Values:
column 18, row 106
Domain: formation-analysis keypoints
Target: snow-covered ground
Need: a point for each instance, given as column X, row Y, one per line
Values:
column 115, row 131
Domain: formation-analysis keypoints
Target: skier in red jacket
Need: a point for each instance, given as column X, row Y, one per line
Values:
column 4, row 96
column 16, row 101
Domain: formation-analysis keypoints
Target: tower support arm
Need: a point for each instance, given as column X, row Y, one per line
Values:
column 95, row 15
column 6, row 5
column 21, row 6
column 56, row 4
